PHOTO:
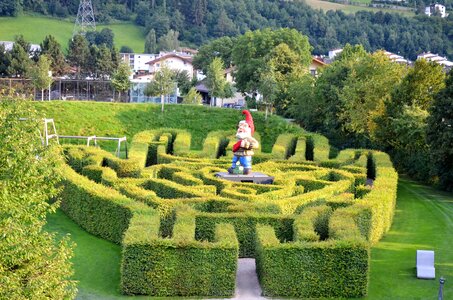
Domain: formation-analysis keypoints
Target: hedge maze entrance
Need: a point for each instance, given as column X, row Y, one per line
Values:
column 182, row 229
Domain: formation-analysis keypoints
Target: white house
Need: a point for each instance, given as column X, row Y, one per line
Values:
column 174, row 61
column 137, row 61
column 334, row 52
column 396, row 58
column 430, row 10
column 437, row 59
column 9, row 46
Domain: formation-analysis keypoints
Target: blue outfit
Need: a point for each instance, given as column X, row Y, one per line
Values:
column 245, row 161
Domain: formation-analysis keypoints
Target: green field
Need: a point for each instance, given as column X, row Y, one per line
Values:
column 352, row 9
column 119, row 119
column 35, row 29
column 423, row 220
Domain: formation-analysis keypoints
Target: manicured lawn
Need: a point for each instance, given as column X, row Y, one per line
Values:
column 35, row 28
column 119, row 119
column 423, row 220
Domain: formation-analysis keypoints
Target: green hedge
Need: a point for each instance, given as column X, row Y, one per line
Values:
column 98, row 209
column 310, row 231
column 180, row 266
column 284, row 146
column 245, row 227
column 311, row 270
column 101, row 175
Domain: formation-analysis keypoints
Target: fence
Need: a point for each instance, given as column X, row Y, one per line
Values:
column 65, row 89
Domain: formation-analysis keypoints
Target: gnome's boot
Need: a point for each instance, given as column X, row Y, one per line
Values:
column 231, row 170
column 247, row 171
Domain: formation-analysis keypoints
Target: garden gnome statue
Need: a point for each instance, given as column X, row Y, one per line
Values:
column 243, row 149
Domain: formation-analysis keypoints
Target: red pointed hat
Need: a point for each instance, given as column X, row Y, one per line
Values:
column 249, row 120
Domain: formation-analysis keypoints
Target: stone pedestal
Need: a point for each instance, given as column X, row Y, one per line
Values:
column 253, row 177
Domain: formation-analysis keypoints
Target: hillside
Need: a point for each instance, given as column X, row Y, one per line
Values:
column 200, row 21
column 119, row 119
column 35, row 28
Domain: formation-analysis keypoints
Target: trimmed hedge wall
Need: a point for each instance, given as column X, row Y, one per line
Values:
column 334, row 268
column 182, row 228
column 180, row 266
column 98, row 209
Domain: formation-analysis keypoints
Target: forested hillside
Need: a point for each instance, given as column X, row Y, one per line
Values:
column 198, row 21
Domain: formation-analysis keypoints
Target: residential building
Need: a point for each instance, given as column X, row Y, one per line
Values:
column 9, row 46
column 396, row 58
column 315, row 65
column 448, row 65
column 433, row 8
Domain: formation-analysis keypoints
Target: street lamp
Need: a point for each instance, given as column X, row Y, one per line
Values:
column 441, row 288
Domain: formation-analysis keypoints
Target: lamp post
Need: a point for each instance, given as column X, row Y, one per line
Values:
column 50, row 81
column 441, row 288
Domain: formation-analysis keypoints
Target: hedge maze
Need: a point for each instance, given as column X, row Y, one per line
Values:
column 182, row 229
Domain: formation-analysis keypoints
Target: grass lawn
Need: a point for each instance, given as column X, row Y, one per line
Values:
column 35, row 28
column 352, row 9
column 423, row 220
column 126, row 119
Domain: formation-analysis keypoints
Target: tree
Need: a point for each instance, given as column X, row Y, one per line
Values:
column 41, row 75
column 161, row 85
column 127, row 49
column 250, row 53
column 193, row 97
column 199, row 10
column 225, row 26
column 440, row 134
column 182, row 80
column 284, row 66
column 20, row 62
column 215, row 79
column 268, row 87
column 411, row 98
column 365, row 90
column 116, row 58
column 169, row 41
column 120, row 79
column 32, row 264
column 221, row 47
column 150, row 42
column 106, row 37
column 104, row 63
column 9, row 8
column 52, row 49
column 78, row 53
column 5, row 60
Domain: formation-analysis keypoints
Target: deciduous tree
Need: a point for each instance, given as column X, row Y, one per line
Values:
column 41, row 75
column 32, row 264
column 162, row 84
column 120, row 79
column 440, row 134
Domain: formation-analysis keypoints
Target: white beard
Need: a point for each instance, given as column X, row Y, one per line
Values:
column 242, row 135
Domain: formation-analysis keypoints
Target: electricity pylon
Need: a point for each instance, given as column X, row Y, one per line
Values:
column 85, row 18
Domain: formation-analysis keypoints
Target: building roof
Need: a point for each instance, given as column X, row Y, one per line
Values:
column 318, row 60
column 169, row 55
